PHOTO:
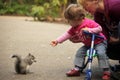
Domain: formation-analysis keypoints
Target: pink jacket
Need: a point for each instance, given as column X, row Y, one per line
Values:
column 75, row 34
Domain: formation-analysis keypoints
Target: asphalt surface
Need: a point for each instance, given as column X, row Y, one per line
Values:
column 22, row 35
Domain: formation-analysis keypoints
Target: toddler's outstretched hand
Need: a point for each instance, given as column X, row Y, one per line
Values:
column 53, row 43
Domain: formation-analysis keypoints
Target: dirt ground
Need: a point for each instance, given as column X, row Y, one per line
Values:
column 22, row 35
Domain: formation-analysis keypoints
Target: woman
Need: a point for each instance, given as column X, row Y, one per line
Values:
column 107, row 14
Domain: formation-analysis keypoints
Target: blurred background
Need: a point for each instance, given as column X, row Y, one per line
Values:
column 40, row 10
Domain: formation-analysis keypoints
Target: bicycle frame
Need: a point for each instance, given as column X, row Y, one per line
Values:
column 90, row 58
column 91, row 52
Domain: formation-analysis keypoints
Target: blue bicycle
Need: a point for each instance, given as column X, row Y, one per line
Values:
column 91, row 52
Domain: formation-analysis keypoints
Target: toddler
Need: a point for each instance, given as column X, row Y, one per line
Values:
column 76, row 18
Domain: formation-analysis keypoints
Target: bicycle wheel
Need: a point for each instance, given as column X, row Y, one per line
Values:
column 88, row 75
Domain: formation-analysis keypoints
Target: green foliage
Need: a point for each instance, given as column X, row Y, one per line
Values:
column 47, row 8
column 38, row 11
column 14, row 9
column 35, row 8
column 55, row 3
column 88, row 15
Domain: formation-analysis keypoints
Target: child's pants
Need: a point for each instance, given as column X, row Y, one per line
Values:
column 101, row 55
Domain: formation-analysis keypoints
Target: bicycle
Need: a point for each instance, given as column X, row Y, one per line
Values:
column 91, row 52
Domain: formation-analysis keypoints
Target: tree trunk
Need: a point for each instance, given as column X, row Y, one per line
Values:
column 20, row 2
column 72, row 1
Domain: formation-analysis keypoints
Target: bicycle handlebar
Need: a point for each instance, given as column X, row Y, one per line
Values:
column 98, row 36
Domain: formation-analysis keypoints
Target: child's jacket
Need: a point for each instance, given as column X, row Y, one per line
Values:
column 75, row 34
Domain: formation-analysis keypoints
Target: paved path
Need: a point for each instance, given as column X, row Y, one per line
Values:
column 21, row 35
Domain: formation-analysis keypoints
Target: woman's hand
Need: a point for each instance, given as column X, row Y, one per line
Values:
column 113, row 40
column 53, row 43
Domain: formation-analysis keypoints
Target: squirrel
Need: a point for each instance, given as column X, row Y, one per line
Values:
column 22, row 64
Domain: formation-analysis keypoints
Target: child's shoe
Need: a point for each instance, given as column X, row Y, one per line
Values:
column 73, row 72
column 106, row 76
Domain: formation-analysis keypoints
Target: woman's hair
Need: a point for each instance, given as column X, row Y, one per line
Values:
column 74, row 12
column 83, row 2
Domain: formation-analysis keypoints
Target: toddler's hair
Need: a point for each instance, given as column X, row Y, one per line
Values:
column 74, row 12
